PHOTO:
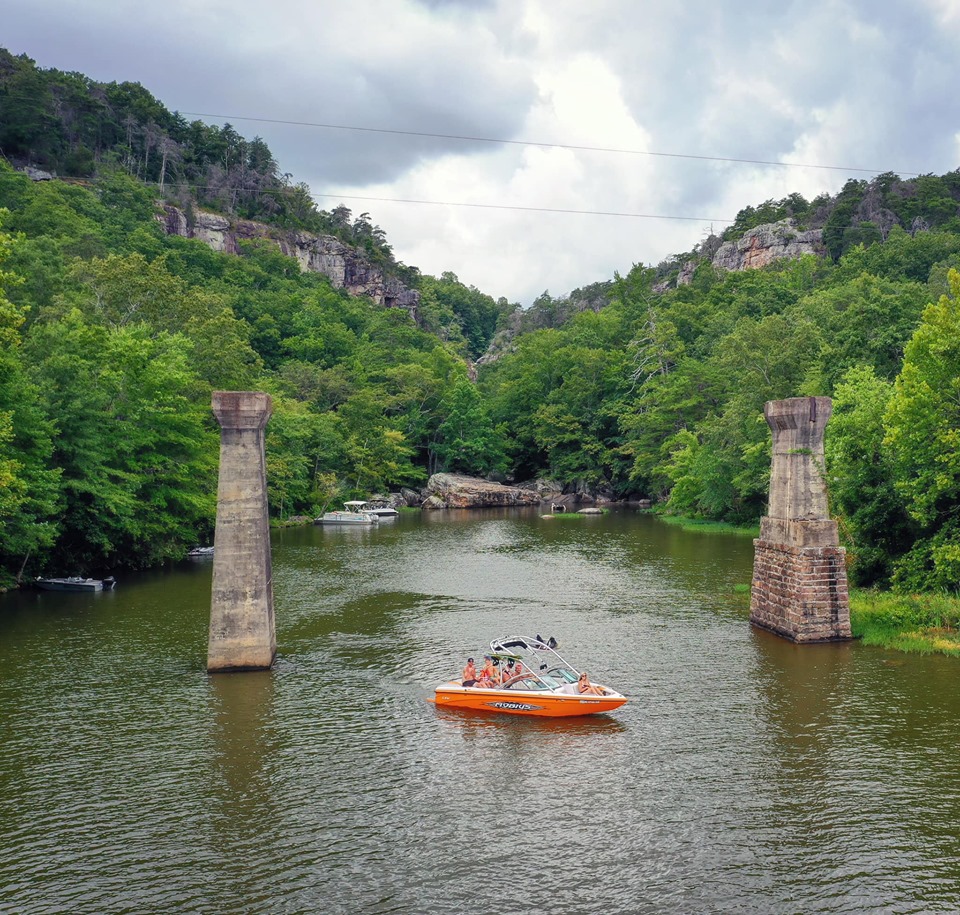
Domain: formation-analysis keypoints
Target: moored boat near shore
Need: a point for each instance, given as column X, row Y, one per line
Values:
column 200, row 552
column 75, row 583
column 355, row 513
column 381, row 508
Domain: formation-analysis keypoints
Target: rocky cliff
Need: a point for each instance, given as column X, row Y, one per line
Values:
column 758, row 247
column 765, row 244
column 346, row 267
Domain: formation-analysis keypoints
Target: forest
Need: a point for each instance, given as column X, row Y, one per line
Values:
column 113, row 336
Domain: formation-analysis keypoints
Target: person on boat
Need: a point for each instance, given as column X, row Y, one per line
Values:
column 586, row 688
column 469, row 673
column 489, row 675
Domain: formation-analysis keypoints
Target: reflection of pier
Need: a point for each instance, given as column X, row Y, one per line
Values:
column 799, row 573
column 242, row 633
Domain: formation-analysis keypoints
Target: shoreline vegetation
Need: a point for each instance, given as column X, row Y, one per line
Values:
column 916, row 623
column 926, row 623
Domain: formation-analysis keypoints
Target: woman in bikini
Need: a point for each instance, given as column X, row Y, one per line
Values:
column 586, row 688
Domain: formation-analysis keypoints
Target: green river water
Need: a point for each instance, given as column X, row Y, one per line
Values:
column 745, row 775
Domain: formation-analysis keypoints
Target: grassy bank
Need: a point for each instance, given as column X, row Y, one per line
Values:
column 921, row 623
column 699, row 525
column 907, row 622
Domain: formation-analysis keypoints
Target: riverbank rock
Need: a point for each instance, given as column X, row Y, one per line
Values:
column 545, row 489
column 453, row 490
column 411, row 498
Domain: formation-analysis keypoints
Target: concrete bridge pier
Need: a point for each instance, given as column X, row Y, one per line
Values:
column 242, row 631
column 799, row 585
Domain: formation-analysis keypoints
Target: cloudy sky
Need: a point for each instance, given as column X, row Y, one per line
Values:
column 493, row 113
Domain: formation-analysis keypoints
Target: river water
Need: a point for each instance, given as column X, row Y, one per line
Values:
column 746, row 774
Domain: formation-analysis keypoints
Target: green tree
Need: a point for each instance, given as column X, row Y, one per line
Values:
column 28, row 483
column 861, row 480
column 923, row 429
column 136, row 448
column 466, row 440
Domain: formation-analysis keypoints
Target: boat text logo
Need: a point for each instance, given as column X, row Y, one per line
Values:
column 515, row 706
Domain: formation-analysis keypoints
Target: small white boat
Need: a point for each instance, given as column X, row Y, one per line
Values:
column 75, row 583
column 200, row 552
column 354, row 513
column 382, row 509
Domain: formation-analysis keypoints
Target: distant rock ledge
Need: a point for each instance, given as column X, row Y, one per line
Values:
column 758, row 247
column 765, row 244
column 346, row 267
column 453, row 490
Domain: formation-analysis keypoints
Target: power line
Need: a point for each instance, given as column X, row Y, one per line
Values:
column 605, row 149
column 451, row 203
column 543, row 145
column 499, row 206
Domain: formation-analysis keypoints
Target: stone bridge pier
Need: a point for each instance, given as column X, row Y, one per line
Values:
column 242, row 631
column 799, row 587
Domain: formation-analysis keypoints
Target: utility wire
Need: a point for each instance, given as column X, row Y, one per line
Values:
column 472, row 139
column 501, row 206
column 452, row 203
column 605, row 149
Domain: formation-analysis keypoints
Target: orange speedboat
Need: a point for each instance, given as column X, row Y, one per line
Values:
column 535, row 680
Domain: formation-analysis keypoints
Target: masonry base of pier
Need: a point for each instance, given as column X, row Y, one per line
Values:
column 799, row 588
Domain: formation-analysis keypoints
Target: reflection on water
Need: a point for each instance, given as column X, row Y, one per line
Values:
column 745, row 775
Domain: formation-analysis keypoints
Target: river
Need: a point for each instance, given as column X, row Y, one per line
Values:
column 745, row 775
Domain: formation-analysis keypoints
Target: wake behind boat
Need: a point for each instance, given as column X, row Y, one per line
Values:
column 534, row 680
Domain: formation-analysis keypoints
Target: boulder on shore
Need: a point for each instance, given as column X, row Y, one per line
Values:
column 454, row 490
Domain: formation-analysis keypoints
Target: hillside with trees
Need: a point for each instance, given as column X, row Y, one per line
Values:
column 113, row 335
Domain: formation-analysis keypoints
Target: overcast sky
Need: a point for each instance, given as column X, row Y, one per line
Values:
column 669, row 88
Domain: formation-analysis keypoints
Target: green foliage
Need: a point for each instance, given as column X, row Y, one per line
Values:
column 836, row 235
column 136, row 450
column 794, row 206
column 924, row 623
column 459, row 313
column 28, row 481
column 923, row 431
column 874, row 522
column 466, row 440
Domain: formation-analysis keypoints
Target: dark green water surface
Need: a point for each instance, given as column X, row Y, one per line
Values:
column 745, row 775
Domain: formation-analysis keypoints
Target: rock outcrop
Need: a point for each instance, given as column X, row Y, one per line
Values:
column 453, row 490
column 757, row 247
column 545, row 489
column 763, row 245
column 345, row 266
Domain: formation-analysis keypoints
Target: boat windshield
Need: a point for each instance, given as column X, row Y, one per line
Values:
column 562, row 673
column 529, row 683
